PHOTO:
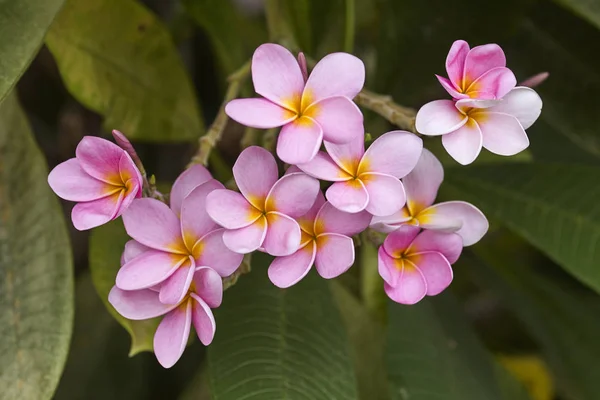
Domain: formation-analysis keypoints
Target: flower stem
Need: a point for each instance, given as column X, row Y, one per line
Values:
column 350, row 21
column 403, row 117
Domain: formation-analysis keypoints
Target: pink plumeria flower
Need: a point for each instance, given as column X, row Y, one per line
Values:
column 414, row 264
column 421, row 187
column 326, row 242
column 262, row 216
column 102, row 178
column 477, row 73
column 320, row 108
column 177, row 246
column 367, row 180
column 468, row 125
column 204, row 292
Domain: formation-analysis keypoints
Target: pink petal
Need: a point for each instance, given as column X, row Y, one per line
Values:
column 192, row 177
column 386, row 193
column 293, row 194
column 288, row 270
column 331, row 220
column 132, row 250
column 522, row 103
column 259, row 113
column 482, row 59
column 394, row 153
column 195, row 221
column 137, row 304
column 70, row 182
column 175, row 287
column 465, row 105
column 230, row 209
column 172, row 335
column 435, row 269
column 439, row 117
column 449, row 86
column 339, row 118
column 335, row 254
column 422, row 184
column 203, row 319
column 347, row 156
column 94, row 213
column 497, row 81
column 397, row 242
column 502, row 133
column 215, row 254
column 455, row 62
column 390, row 223
column 247, row 239
column 389, row 268
column 255, row 172
column 148, row 269
column 153, row 224
column 473, row 224
column 277, row 76
column 411, row 286
column 450, row 245
column 323, row 167
column 307, row 221
column 299, row 141
column 350, row 196
column 464, row 144
column 336, row 74
column 208, row 286
column 100, row 159
column 128, row 171
column 283, row 235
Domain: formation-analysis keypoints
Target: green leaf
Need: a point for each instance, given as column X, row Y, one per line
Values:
column 107, row 243
column 276, row 343
column 23, row 25
column 586, row 9
column 555, row 207
column 119, row 60
column 36, row 266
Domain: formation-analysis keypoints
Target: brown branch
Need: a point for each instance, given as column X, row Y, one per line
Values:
column 403, row 117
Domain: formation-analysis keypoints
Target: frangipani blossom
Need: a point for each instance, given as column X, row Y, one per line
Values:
column 102, row 178
column 326, row 242
column 367, row 180
column 468, row 125
column 414, row 264
column 176, row 246
column 421, row 187
column 309, row 110
column 477, row 73
column 204, row 292
column 262, row 216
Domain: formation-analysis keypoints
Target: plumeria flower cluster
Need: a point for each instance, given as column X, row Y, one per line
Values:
column 181, row 249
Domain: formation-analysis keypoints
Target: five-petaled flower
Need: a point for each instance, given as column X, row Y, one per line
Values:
column 367, row 180
column 414, row 264
column 262, row 216
column 421, row 187
column 320, row 108
column 102, row 178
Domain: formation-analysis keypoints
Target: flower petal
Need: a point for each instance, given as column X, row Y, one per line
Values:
column 397, row 242
column 447, row 84
column 439, row 117
column 435, row 269
column 299, row 141
column 288, row 270
column 323, row 167
column 132, row 250
column 394, row 153
column 283, row 235
column 350, row 196
column 464, row 144
column 450, row 245
column 195, row 221
column 502, row 133
column 208, row 286
column 497, row 82
column 332, row 220
column 339, row 118
column 277, row 76
column 335, row 254
column 522, row 103
column 100, row 159
column 423, row 182
column 465, row 105
column 348, row 155
column 70, row 182
column 259, row 113
column 175, row 287
column 386, row 193
column 455, row 62
column 192, row 177
column 389, row 268
column 473, row 224
column 215, row 254
column 293, row 194
column 307, row 221
column 336, row 74
column 482, row 59
column 148, row 269
column 137, row 304
column 247, row 239
column 203, row 319
column 230, row 209
column 153, row 224
column 411, row 286
column 172, row 335
column 128, row 171
column 390, row 223
column 94, row 213
column 255, row 172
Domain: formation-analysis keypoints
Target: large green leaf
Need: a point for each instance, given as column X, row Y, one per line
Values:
column 118, row 59
column 23, row 24
column 555, row 207
column 279, row 343
column 587, row 9
column 106, row 246
column 36, row 294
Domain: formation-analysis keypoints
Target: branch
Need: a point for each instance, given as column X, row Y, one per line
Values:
column 403, row 117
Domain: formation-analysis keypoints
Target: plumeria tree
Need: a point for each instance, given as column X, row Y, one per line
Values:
column 313, row 239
